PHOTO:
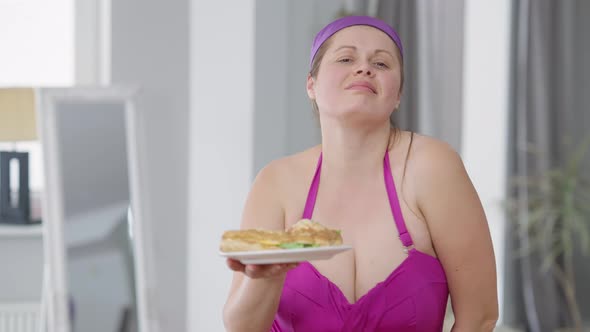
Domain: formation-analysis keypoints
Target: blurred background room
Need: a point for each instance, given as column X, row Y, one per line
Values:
column 130, row 133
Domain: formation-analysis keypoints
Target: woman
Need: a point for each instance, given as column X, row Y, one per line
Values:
column 403, row 201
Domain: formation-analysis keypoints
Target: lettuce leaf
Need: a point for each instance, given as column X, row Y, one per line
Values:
column 296, row 245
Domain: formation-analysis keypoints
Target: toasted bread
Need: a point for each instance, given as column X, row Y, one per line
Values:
column 305, row 233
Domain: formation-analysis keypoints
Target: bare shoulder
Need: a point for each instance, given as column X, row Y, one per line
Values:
column 433, row 169
column 429, row 154
column 430, row 159
column 279, row 172
column 272, row 190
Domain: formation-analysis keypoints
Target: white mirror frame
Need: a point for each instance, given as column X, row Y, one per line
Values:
column 55, row 293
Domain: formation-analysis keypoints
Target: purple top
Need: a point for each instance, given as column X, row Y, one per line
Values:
column 412, row 298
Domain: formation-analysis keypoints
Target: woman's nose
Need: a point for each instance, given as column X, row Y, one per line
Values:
column 366, row 71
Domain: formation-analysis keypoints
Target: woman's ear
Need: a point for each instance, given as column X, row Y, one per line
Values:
column 310, row 86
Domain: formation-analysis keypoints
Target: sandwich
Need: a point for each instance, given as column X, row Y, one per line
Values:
column 303, row 234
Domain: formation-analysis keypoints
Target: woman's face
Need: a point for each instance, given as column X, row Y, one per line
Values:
column 360, row 75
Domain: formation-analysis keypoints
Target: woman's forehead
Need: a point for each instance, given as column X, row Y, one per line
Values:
column 361, row 36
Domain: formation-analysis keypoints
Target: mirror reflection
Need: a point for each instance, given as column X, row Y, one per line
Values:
column 99, row 259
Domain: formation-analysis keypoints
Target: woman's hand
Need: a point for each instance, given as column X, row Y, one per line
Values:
column 258, row 271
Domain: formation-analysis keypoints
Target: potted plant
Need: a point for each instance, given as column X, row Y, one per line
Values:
column 557, row 219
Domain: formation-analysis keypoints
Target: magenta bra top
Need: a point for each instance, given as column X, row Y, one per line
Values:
column 412, row 298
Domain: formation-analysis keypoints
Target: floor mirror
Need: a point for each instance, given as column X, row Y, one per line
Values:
column 96, row 241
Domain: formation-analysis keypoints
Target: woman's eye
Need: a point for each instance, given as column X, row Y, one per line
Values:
column 381, row 64
column 345, row 60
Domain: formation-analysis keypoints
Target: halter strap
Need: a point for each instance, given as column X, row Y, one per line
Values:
column 394, row 203
column 313, row 191
column 391, row 194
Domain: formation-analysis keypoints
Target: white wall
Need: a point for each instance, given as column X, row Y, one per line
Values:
column 485, row 113
column 271, row 95
column 222, row 110
column 284, row 122
column 21, row 258
column 150, row 48
column 92, row 22
column 37, row 42
column 261, row 113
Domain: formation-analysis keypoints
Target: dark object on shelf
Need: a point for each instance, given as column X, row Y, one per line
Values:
column 11, row 213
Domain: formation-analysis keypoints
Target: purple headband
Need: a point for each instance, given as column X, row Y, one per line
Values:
column 348, row 21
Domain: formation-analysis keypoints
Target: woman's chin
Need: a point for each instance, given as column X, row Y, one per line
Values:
column 360, row 115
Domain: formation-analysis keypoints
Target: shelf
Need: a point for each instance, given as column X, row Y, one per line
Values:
column 33, row 230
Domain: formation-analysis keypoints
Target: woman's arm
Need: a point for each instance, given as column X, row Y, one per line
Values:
column 256, row 289
column 460, row 235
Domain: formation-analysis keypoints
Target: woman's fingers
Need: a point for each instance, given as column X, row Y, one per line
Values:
column 260, row 270
column 235, row 265
column 268, row 270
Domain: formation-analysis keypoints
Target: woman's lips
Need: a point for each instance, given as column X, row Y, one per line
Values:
column 361, row 85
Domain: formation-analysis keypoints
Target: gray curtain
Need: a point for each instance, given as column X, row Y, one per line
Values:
column 432, row 36
column 550, row 108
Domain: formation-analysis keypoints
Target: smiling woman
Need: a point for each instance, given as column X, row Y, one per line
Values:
column 377, row 70
column 399, row 198
column 382, row 59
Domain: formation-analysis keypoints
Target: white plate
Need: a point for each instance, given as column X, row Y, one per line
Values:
column 285, row 255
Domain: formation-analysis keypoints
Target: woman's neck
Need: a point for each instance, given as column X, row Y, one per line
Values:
column 353, row 152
